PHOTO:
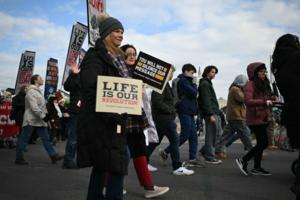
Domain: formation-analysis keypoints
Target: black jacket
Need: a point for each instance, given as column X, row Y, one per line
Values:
column 72, row 85
column 99, row 145
column 288, row 78
column 54, row 120
column 163, row 107
column 18, row 108
column 207, row 99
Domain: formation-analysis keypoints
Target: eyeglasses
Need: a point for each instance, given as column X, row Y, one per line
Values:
column 130, row 54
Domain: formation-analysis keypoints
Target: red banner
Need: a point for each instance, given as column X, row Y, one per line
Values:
column 7, row 126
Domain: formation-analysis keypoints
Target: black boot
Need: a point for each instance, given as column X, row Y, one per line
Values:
column 21, row 162
column 56, row 157
column 69, row 165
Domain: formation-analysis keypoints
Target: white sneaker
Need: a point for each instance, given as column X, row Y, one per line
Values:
column 152, row 168
column 158, row 191
column 181, row 171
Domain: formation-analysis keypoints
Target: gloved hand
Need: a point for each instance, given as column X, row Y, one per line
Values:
column 46, row 118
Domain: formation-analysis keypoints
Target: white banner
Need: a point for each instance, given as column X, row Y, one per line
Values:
column 26, row 68
column 94, row 8
column 79, row 32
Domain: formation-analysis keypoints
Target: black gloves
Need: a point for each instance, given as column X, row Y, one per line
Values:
column 46, row 118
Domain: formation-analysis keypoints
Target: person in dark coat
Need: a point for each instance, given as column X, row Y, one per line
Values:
column 72, row 85
column 54, row 123
column 164, row 113
column 100, row 144
column 258, row 101
column 209, row 109
column 18, row 107
column 186, row 109
column 286, row 69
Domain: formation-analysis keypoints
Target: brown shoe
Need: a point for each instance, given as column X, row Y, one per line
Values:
column 220, row 155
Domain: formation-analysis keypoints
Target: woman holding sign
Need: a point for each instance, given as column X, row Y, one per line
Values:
column 101, row 136
column 136, row 126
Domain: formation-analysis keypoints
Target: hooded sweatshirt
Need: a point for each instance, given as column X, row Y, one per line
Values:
column 257, row 111
column 236, row 109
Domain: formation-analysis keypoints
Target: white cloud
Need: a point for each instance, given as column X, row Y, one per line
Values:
column 35, row 34
column 227, row 33
column 71, row 7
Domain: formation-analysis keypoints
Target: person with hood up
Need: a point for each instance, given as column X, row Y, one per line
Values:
column 258, row 102
column 35, row 117
column 286, row 69
column 236, row 114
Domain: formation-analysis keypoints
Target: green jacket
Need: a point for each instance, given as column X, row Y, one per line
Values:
column 207, row 99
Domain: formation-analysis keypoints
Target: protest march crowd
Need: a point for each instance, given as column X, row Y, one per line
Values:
column 106, row 141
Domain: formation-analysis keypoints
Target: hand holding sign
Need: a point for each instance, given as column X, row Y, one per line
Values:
column 152, row 71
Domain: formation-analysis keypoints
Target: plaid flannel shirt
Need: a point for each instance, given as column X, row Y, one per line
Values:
column 137, row 123
column 134, row 123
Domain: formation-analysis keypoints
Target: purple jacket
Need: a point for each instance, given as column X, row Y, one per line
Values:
column 257, row 111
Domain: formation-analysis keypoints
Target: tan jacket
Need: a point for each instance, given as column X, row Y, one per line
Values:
column 236, row 109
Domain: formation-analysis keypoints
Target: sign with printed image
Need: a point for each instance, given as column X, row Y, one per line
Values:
column 94, row 8
column 119, row 95
column 51, row 77
column 154, row 72
column 79, row 32
column 26, row 68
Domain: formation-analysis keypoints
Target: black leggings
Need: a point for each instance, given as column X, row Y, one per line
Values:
column 260, row 132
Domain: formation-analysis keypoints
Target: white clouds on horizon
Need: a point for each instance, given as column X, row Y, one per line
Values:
column 229, row 34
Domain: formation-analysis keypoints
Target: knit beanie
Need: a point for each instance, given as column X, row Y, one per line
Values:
column 107, row 25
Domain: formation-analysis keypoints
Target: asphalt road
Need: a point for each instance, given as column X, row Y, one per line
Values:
column 41, row 180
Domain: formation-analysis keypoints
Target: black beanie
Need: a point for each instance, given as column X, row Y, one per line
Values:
column 108, row 25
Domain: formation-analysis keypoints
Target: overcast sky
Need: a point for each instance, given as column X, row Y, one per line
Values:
column 227, row 33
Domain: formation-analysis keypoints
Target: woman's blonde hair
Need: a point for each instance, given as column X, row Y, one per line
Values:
column 111, row 47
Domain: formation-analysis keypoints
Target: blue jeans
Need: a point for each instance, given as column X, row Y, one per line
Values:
column 188, row 132
column 213, row 134
column 25, row 136
column 114, row 190
column 71, row 144
column 234, row 137
column 168, row 128
column 239, row 127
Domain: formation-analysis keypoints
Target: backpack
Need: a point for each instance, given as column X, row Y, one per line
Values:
column 177, row 97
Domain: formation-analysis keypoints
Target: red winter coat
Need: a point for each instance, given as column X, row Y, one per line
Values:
column 257, row 111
